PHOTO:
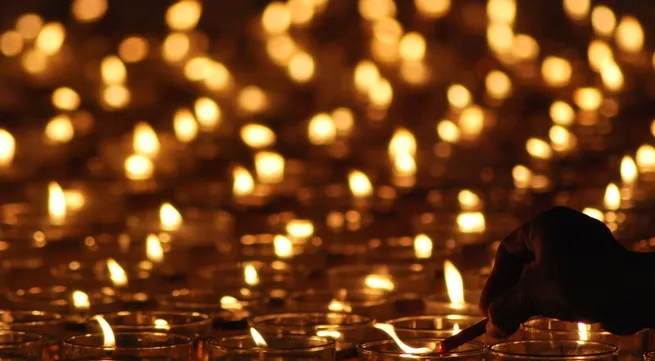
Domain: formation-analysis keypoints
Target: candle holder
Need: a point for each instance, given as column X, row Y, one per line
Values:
column 251, row 274
column 346, row 329
column 435, row 326
column 630, row 346
column 15, row 345
column 440, row 304
column 410, row 278
column 191, row 324
column 389, row 350
column 367, row 302
column 552, row 350
column 279, row 347
column 50, row 325
column 129, row 346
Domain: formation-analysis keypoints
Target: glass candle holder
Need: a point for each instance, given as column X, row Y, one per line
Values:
column 50, row 325
column 439, row 303
column 552, row 350
column 406, row 278
column 346, row 329
column 129, row 346
column 191, row 324
column 253, row 275
column 15, row 345
column 631, row 347
column 388, row 350
column 433, row 326
column 279, row 347
column 368, row 302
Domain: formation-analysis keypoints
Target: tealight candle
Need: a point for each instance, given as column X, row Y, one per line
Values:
column 273, row 347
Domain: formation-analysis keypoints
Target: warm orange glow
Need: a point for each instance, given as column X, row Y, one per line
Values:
column 652, row 128
column 183, row 15
column 198, row 68
column 230, row 303
column 133, row 49
column 583, row 331
column 412, row 47
column 612, row 77
column 577, row 9
column 276, row 18
column 301, row 11
column 381, row 94
column 59, row 129
column 321, row 129
column 376, row 9
column 404, row 165
column 109, row 340
column 283, row 247
column 458, row 96
column 250, row 275
column 113, row 70
column 74, row 199
column 454, row 284
column 87, row 11
column 599, row 54
column 80, row 300
column 525, row 47
column 154, row 250
column 29, row 26
column 116, row 273
column 11, row 43
column 257, row 338
column 538, row 148
column 301, row 67
column 629, row 35
column 471, row 222
column 588, row 98
column 269, row 167
column 360, row 185
column 522, row 176
column 468, row 200
column 366, row 76
column 116, row 96
column 280, row 48
column 594, row 213
column 339, row 306
column 556, row 71
column 498, row 84
column 448, row 131
column 185, row 125
column 561, row 139
column 612, row 198
column 175, row 47
column 629, row 172
column 502, row 11
column 300, row 228
column 208, row 113
column 500, row 37
column 603, row 20
column 646, row 158
column 56, row 204
column 243, row 184
column 379, row 282
column 34, row 61
column 65, row 98
column 51, row 38
column 562, row 113
column 471, row 121
column 218, row 78
column 344, row 120
column 402, row 141
column 432, row 8
column 257, row 136
column 139, row 167
column 390, row 330
column 252, row 99
column 7, row 148
column 170, row 218
column 144, row 140
column 422, row 246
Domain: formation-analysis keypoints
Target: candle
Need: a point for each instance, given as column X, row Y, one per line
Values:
column 458, row 302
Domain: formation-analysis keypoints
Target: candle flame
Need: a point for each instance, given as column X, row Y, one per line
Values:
column 65, row 98
column 629, row 172
column 448, row 131
column 379, row 282
column 454, row 284
column 471, row 121
column 339, row 306
column 333, row 334
column 321, row 129
column 404, row 165
column 154, row 250
column 208, row 113
column 81, row 300
column 116, row 273
column 7, row 148
column 456, row 329
column 522, row 176
column 250, row 275
column 561, row 113
column 471, row 222
column 257, row 338
column 283, row 246
column 468, row 200
column 169, row 217
column 145, row 141
column 161, row 324
column 269, row 167
column 138, row 167
column 612, row 198
column 183, row 15
column 402, row 142
column 391, row 331
column 185, row 125
column 109, row 340
column 360, row 185
column 113, row 70
column 230, row 303
column 50, row 38
column 594, row 213
column 59, row 129
column 583, row 331
column 458, row 96
column 538, row 148
column 56, row 204
column 257, row 136
column 300, row 228
column 646, row 158
column 243, row 183
column 422, row 246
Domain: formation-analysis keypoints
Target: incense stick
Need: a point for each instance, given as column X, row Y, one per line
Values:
column 464, row 336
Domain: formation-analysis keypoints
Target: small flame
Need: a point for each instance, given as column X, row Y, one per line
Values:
column 283, row 246
column 379, row 282
column 116, row 273
column 185, row 125
column 56, row 204
column 404, row 165
column 169, row 217
column 522, row 176
column 594, row 213
column 113, row 70
column 230, row 303
column 300, row 228
column 391, row 331
column 208, row 113
column 321, row 129
column 338, row 306
column 145, row 141
column 468, row 200
column 583, row 331
column 107, row 333
column 456, row 329
column 538, row 148
column 458, row 96
column 646, row 158
column 243, row 183
column 471, row 121
column 7, row 148
column 139, row 167
column 422, row 246
column 612, row 198
column 257, row 136
column 59, row 129
column 269, row 167
column 154, row 251
column 250, row 275
column 81, row 300
column 360, row 185
column 161, row 324
column 448, row 131
column 629, row 171
column 454, row 284
column 471, row 222
column 333, row 334
column 257, row 337
column 402, row 142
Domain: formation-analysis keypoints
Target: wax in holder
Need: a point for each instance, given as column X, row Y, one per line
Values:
column 432, row 326
column 552, row 350
column 191, row 324
column 18, row 345
column 278, row 347
column 440, row 304
column 136, row 345
column 389, row 350
column 368, row 302
column 48, row 324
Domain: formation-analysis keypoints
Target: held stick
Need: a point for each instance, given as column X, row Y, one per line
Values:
column 464, row 336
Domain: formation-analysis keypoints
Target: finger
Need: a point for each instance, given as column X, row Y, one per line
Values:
column 506, row 272
column 510, row 309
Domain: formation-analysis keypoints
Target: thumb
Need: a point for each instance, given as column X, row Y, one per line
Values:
column 510, row 309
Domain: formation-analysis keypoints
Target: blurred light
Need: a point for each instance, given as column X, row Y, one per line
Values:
column 321, row 129
column 269, row 167
column 243, row 183
column 300, row 228
column 87, row 11
column 448, row 131
column 116, row 96
column 412, row 46
column 170, row 218
column 7, row 148
column 525, row 47
column 503, row 11
column 498, row 84
column 603, row 20
column 301, row 12
column 432, row 8
column 145, row 140
column 207, row 112
column 500, row 37
column 471, row 222
column 629, row 35
column 360, row 185
column 51, row 38
column 404, row 165
column 402, row 142
column 60, row 129
column 113, row 70
column 594, row 213
column 366, row 76
column 34, row 61
column 561, row 139
column 175, row 47
column 183, row 15
column 282, row 246
column 344, row 120
column 612, row 199
column 538, row 148
column 138, row 167
column 276, row 18
column 646, row 158
column 65, row 98
column 577, row 9
column 301, row 67
column 599, row 54
column 29, row 26
column 252, row 99
column 556, row 71
column 381, row 94
column 629, row 172
column 11, row 43
column 561, row 113
column 219, row 77
column 280, row 48
column 458, row 96
column 185, row 125
column 257, row 136
column 588, row 98
column 198, row 68
column 414, row 72
column 612, row 77
column 471, row 121
column 522, row 176
column 133, row 49
column 468, row 200
column 373, row 10
column 422, row 246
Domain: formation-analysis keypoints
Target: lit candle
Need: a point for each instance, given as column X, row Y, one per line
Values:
column 269, row 167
